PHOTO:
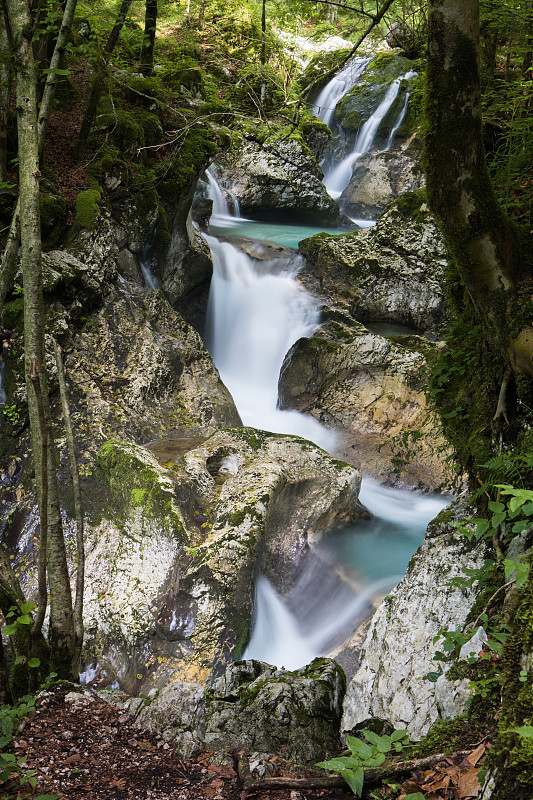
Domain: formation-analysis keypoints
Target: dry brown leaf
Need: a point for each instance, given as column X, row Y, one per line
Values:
column 478, row 753
column 468, row 784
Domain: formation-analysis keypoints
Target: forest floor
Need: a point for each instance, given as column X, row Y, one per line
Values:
column 87, row 749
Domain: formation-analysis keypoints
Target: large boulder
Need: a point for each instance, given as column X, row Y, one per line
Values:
column 398, row 650
column 379, row 178
column 266, row 710
column 172, row 553
column 278, row 179
column 392, row 272
column 371, row 389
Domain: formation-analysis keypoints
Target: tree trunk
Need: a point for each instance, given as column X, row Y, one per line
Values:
column 98, row 83
column 147, row 53
column 62, row 637
column 5, row 86
column 479, row 237
column 263, row 56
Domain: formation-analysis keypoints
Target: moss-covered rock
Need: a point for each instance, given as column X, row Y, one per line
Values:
column 87, row 208
column 262, row 709
column 54, row 218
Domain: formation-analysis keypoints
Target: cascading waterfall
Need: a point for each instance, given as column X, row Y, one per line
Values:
column 256, row 311
column 151, row 281
column 221, row 210
column 338, row 177
column 338, row 86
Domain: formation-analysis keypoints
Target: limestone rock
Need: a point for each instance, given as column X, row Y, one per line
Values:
column 278, row 179
column 379, row 178
column 392, row 272
column 372, row 390
column 399, row 645
column 177, row 713
column 259, row 708
column 172, row 553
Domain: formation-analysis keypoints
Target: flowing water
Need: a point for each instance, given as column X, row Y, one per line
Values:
column 256, row 311
column 338, row 176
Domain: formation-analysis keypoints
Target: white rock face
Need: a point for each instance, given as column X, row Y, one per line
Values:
column 399, row 647
column 177, row 713
column 278, row 177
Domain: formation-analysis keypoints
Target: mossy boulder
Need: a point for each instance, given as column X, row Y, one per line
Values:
column 391, row 272
column 361, row 101
column 53, row 219
column 267, row 710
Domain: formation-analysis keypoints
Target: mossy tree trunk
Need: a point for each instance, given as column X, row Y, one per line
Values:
column 147, row 52
column 98, row 83
column 480, row 238
column 5, row 87
column 61, row 629
column 486, row 274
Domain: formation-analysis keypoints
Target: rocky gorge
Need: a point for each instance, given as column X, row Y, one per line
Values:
column 185, row 505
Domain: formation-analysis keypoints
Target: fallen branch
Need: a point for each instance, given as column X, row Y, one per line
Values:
column 372, row 776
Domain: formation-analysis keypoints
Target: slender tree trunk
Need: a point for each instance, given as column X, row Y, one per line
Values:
column 527, row 61
column 263, row 56
column 56, row 63
column 80, row 546
column 98, row 84
column 147, row 52
column 5, row 86
column 62, row 637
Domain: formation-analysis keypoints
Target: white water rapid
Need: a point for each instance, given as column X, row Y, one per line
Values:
column 338, row 177
column 256, row 311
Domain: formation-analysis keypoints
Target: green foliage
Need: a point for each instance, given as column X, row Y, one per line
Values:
column 364, row 755
column 87, row 208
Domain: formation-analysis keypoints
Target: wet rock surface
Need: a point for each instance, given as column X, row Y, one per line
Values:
column 398, row 650
column 370, row 388
column 278, row 179
column 391, row 272
column 267, row 710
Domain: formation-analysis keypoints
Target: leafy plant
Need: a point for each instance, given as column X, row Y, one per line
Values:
column 352, row 763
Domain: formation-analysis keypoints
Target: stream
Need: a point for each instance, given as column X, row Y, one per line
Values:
column 256, row 311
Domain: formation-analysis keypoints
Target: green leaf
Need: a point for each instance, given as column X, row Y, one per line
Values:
column 34, row 662
column 375, row 761
column 525, row 731
column 27, row 608
column 528, row 509
column 497, row 519
column 25, row 619
column 340, row 764
column 358, row 747
column 372, row 737
column 9, row 630
column 518, row 527
column 496, row 507
column 354, row 779
column 397, row 735
column 415, row 796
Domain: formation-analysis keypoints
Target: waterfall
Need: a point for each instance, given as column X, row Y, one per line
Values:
column 338, row 177
column 256, row 311
column 220, row 204
column 322, row 610
column 337, row 87
column 151, row 281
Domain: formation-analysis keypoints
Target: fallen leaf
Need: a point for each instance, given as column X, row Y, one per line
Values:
column 468, row 784
column 476, row 754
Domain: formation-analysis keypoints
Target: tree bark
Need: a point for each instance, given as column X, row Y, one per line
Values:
column 147, row 52
column 61, row 631
column 479, row 237
column 5, row 86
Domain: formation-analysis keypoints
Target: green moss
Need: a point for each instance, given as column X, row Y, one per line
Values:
column 135, row 483
column 53, row 219
column 13, row 315
column 87, row 209
column 122, row 130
